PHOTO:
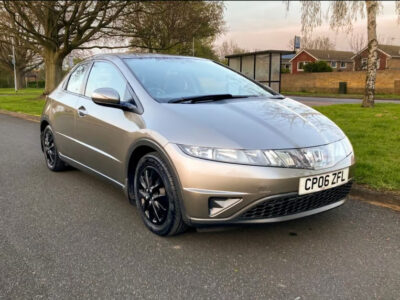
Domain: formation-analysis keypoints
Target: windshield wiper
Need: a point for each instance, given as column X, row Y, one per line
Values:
column 215, row 97
column 277, row 97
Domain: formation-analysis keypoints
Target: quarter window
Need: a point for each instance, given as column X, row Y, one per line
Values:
column 76, row 79
column 105, row 75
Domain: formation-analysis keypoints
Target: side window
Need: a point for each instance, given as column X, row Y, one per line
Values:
column 76, row 79
column 105, row 75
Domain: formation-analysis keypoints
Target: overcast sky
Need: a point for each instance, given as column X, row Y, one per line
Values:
column 261, row 25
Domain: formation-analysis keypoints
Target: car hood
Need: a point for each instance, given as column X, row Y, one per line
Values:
column 250, row 123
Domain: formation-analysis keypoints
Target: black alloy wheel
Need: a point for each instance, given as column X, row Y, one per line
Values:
column 156, row 196
column 153, row 197
column 49, row 147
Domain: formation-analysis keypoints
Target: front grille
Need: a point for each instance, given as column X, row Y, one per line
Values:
column 289, row 205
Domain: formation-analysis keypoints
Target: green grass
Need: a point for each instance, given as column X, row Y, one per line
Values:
column 375, row 135
column 29, row 91
column 27, row 101
column 346, row 96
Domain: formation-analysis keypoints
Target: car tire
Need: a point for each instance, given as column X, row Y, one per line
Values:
column 52, row 158
column 156, row 196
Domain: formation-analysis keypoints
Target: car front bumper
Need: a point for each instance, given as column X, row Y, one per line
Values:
column 250, row 188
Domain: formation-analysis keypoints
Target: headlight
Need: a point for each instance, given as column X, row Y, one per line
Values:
column 304, row 158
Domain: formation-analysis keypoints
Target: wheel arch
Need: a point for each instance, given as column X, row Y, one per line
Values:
column 43, row 124
column 135, row 153
column 138, row 150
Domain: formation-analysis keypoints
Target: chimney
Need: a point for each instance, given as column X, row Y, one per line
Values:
column 297, row 45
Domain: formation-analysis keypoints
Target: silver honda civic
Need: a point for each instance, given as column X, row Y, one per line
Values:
column 192, row 142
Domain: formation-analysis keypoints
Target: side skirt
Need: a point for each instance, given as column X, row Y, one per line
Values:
column 90, row 170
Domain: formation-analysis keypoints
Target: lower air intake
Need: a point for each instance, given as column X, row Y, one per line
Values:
column 294, row 204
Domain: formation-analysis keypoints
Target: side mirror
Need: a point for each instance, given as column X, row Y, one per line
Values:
column 106, row 96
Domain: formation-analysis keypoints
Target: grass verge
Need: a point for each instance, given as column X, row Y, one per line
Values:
column 27, row 101
column 29, row 91
column 375, row 135
column 342, row 96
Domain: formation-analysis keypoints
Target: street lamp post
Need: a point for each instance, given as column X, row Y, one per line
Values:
column 14, row 63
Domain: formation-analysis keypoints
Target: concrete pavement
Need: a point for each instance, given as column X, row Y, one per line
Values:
column 71, row 235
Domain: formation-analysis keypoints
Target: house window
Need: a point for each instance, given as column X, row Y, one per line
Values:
column 343, row 65
column 364, row 63
column 333, row 64
column 301, row 64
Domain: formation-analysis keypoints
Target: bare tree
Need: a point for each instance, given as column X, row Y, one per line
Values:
column 228, row 47
column 26, row 60
column 357, row 42
column 55, row 28
column 319, row 43
column 386, row 39
column 342, row 14
column 172, row 26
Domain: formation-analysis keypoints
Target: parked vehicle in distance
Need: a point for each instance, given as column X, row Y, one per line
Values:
column 192, row 142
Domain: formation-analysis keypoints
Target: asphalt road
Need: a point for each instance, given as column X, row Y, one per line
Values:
column 71, row 235
column 317, row 101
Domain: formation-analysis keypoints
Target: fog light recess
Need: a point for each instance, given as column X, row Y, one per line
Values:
column 217, row 205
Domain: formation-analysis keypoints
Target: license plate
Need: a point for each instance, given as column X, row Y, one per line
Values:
column 322, row 182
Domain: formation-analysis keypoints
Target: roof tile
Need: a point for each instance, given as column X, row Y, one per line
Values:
column 329, row 55
column 392, row 50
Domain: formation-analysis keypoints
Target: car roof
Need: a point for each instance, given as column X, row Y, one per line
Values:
column 139, row 55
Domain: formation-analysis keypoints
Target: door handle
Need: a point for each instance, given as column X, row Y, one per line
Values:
column 82, row 111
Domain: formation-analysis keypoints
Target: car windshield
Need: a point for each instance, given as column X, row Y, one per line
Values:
column 174, row 78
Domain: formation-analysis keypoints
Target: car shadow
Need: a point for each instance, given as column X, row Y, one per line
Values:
column 316, row 228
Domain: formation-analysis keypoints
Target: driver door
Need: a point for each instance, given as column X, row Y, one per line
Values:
column 101, row 130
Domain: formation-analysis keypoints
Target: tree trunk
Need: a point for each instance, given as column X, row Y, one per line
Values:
column 369, row 96
column 53, row 67
column 20, row 80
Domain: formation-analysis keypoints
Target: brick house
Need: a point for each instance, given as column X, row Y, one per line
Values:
column 338, row 60
column 388, row 58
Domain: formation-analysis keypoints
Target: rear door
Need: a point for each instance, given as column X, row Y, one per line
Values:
column 64, row 110
column 101, row 130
